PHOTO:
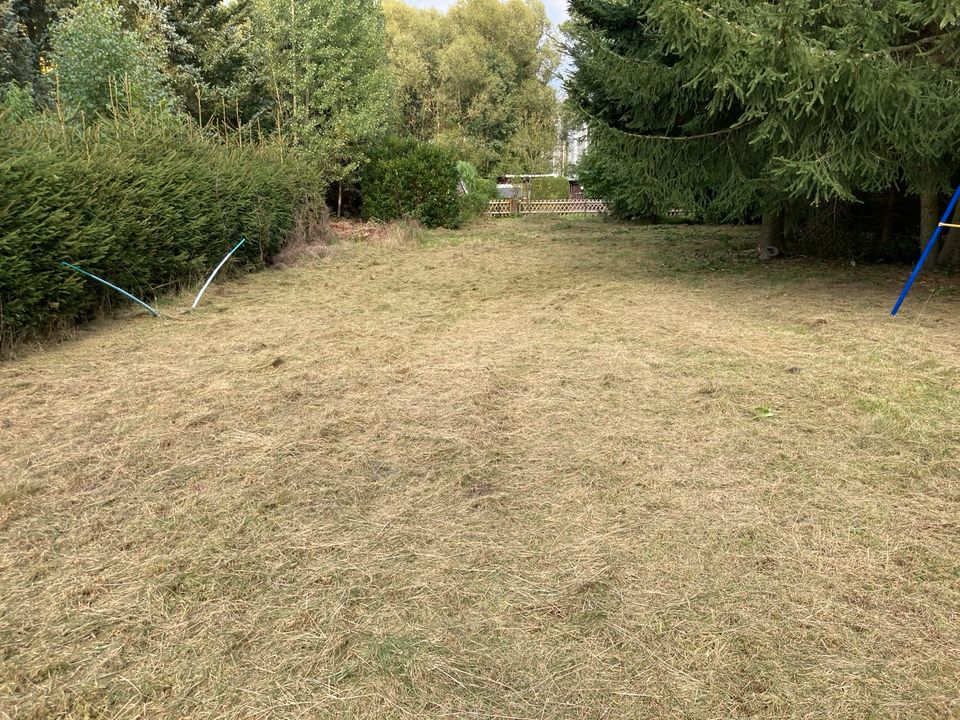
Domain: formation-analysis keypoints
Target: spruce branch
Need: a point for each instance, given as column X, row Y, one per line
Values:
column 681, row 138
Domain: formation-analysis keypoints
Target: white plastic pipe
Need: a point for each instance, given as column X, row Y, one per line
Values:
column 214, row 273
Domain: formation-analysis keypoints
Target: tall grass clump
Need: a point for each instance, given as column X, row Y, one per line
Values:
column 143, row 200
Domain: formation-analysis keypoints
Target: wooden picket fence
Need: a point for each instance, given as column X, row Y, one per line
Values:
column 513, row 206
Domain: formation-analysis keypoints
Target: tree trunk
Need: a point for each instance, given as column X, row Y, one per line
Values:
column 339, row 197
column 929, row 215
column 771, row 235
column 886, row 232
column 947, row 255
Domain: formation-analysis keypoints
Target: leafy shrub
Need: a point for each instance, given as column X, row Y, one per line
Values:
column 480, row 191
column 146, row 207
column 549, row 188
column 407, row 178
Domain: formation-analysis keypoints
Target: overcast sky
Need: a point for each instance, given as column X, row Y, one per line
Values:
column 556, row 9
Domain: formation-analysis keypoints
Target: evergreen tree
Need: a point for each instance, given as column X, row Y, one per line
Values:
column 17, row 63
column 215, row 75
column 37, row 17
column 25, row 41
column 734, row 108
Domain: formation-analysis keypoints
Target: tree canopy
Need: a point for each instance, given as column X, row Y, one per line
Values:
column 327, row 67
column 100, row 63
column 212, row 61
column 329, row 78
column 476, row 78
column 731, row 108
column 17, row 53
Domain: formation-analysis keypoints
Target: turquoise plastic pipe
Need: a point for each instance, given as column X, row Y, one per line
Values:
column 123, row 292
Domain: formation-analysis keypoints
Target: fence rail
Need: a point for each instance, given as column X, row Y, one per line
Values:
column 512, row 206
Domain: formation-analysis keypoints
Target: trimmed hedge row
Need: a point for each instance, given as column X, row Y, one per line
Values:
column 148, row 208
column 549, row 188
column 480, row 191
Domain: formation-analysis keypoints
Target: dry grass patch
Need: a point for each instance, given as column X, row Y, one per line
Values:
column 533, row 469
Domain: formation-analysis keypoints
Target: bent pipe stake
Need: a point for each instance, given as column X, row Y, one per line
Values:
column 944, row 222
column 123, row 292
column 214, row 273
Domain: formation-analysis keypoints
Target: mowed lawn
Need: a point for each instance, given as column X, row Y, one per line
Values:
column 531, row 469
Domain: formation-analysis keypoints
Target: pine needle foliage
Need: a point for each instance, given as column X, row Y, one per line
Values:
column 214, row 68
column 145, row 202
column 730, row 108
column 16, row 50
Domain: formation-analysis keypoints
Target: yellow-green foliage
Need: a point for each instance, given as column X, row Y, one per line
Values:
column 549, row 188
column 147, row 206
column 480, row 191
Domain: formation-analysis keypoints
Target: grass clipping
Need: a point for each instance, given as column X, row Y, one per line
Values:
column 532, row 469
column 315, row 235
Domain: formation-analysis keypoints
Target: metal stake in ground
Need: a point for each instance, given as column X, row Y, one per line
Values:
column 123, row 292
column 216, row 270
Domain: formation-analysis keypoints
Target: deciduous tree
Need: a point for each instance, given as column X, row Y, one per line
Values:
column 100, row 64
column 477, row 79
column 327, row 69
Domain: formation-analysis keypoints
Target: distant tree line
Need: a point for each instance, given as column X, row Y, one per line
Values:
column 835, row 123
column 476, row 79
column 328, row 78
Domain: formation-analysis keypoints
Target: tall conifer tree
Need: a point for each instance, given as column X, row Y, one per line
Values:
column 734, row 108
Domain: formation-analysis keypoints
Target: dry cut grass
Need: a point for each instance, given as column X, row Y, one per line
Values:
column 533, row 469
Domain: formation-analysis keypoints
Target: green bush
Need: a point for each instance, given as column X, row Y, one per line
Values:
column 480, row 191
column 407, row 178
column 549, row 188
column 146, row 207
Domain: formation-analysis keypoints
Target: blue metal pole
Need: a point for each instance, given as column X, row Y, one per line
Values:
column 113, row 287
column 926, row 251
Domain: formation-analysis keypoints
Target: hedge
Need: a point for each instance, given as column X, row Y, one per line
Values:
column 480, row 191
column 408, row 178
column 549, row 188
column 148, row 208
